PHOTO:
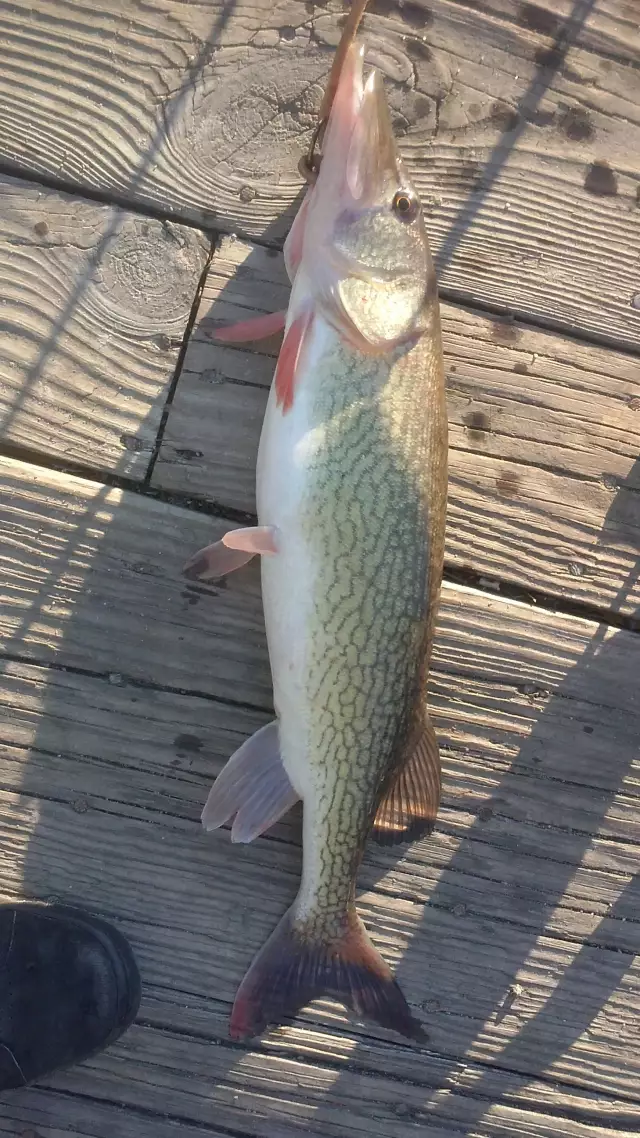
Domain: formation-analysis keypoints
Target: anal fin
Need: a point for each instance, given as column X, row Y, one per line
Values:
column 253, row 788
column 408, row 810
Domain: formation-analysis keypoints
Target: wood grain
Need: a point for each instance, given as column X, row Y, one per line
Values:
column 38, row 1113
column 131, row 751
column 544, row 438
column 107, row 563
column 520, row 123
column 123, row 689
column 90, row 572
column 95, row 303
column 272, row 1094
column 101, row 786
column 525, row 957
column 294, row 1096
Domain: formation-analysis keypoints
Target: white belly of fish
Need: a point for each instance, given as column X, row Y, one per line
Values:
column 287, row 443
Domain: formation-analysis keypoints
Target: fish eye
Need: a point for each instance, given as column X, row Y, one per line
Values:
column 405, row 205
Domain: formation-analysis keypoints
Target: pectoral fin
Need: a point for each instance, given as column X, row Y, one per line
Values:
column 409, row 809
column 253, row 788
column 236, row 548
column 289, row 358
column 258, row 328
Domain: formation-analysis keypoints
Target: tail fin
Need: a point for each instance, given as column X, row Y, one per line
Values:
column 294, row 968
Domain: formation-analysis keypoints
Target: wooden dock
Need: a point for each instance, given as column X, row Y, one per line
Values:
column 148, row 175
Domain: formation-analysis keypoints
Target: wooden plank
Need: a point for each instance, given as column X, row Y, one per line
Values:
column 38, row 1113
column 130, row 751
column 269, row 1094
column 544, row 438
column 160, row 886
column 95, row 303
column 526, row 954
column 293, row 1096
column 93, row 791
column 91, row 574
column 519, row 124
column 180, row 898
column 91, row 571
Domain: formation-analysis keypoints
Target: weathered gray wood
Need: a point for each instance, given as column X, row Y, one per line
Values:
column 277, row 1091
column 196, row 902
column 91, row 577
column 160, row 883
column 514, row 930
column 104, row 565
column 526, row 953
column 544, row 435
column 327, row 1112
column 94, row 306
column 40, row 1113
column 129, row 750
column 520, row 125
column 299, row 1097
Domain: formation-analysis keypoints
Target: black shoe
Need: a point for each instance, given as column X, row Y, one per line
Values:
column 69, row 986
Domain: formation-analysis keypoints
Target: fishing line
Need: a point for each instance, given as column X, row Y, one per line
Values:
column 310, row 162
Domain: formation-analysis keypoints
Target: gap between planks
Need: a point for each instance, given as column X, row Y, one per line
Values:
column 175, row 379
column 118, row 808
column 454, row 296
column 517, row 124
column 163, row 485
column 453, row 574
column 502, row 581
column 97, row 307
column 544, row 436
column 127, row 557
column 77, row 189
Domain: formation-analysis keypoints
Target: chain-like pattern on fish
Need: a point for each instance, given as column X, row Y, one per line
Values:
column 376, row 535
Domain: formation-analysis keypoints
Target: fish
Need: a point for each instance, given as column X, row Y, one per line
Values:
column 351, row 494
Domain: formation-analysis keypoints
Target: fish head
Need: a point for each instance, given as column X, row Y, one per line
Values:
column 365, row 251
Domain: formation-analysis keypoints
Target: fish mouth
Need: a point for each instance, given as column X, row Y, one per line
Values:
column 353, row 259
column 359, row 155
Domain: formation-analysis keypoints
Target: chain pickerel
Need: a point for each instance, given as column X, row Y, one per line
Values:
column 351, row 496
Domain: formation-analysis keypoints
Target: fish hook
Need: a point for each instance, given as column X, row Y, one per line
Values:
column 309, row 164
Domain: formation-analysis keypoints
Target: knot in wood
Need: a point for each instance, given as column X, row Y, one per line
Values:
column 144, row 276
